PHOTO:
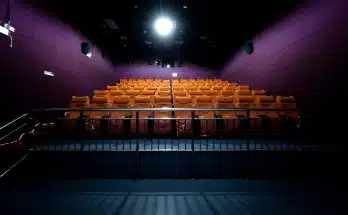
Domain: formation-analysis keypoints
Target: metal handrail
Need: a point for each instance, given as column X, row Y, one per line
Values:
column 13, row 121
column 163, row 109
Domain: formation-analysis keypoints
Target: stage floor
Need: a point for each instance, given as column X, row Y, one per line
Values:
column 183, row 197
column 178, row 145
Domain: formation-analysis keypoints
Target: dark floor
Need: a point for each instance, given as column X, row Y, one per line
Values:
column 93, row 196
column 180, row 145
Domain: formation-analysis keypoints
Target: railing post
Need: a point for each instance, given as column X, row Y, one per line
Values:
column 192, row 144
column 137, row 147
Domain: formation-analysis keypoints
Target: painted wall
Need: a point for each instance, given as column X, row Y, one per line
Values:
column 43, row 42
column 304, row 55
column 140, row 70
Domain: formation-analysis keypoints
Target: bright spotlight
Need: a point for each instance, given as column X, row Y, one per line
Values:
column 174, row 74
column 168, row 66
column 164, row 26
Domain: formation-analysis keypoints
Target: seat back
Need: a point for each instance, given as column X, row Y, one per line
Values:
column 150, row 93
column 132, row 93
column 116, row 93
column 179, row 93
column 243, row 101
column 267, row 102
column 194, row 95
column 112, row 87
column 101, row 93
column 163, row 93
column 100, row 102
column 123, row 102
column 243, row 87
column 143, row 102
column 203, row 102
column 78, row 102
column 217, row 88
column 162, row 102
column 228, row 92
column 286, row 102
column 256, row 93
column 242, row 93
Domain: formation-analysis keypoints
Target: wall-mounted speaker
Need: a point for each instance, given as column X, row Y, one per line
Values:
column 86, row 48
column 249, row 47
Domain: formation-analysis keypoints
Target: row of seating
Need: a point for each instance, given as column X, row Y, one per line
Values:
column 182, row 94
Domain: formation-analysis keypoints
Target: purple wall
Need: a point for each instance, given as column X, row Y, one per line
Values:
column 142, row 70
column 43, row 42
column 304, row 55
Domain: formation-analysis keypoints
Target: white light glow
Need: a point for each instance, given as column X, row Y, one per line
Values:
column 48, row 73
column 89, row 55
column 164, row 26
column 4, row 30
column 168, row 66
column 174, row 75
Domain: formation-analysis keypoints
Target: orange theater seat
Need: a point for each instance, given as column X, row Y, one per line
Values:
column 116, row 93
column 289, row 118
column 243, row 87
column 125, row 88
column 132, row 93
column 217, row 88
column 262, row 119
column 140, row 88
column 256, row 93
column 162, row 88
column 178, row 89
column 78, row 102
column 242, row 93
column 204, row 88
column 100, row 102
column 183, row 118
column 118, row 123
column 212, row 93
column 112, row 87
column 163, row 93
column 151, row 88
column 101, row 93
column 162, row 125
column 230, row 88
column 227, row 125
column 242, row 101
column 141, row 102
column 228, row 92
column 150, row 93
column 179, row 93
column 207, row 118
column 191, row 88
column 287, row 102
column 225, row 102
column 194, row 95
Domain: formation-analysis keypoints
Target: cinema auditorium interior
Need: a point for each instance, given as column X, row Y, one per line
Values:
column 173, row 107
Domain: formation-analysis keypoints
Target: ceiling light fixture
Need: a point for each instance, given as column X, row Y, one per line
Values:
column 164, row 26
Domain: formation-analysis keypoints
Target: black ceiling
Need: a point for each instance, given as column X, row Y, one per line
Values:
column 226, row 25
